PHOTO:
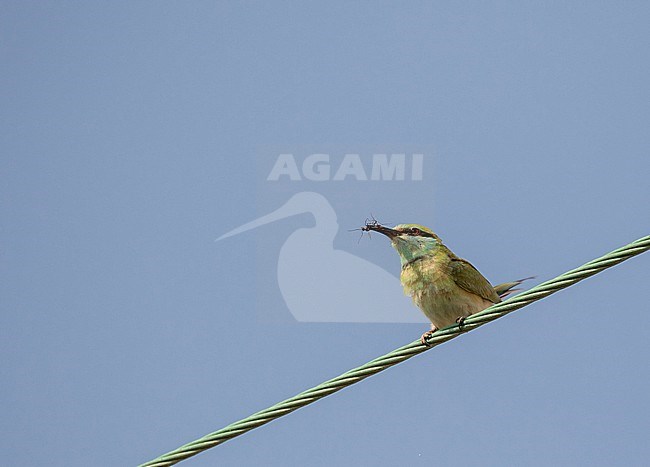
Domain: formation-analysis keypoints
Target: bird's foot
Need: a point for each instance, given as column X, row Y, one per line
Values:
column 461, row 322
column 427, row 334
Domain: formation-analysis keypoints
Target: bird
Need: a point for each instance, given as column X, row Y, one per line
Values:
column 446, row 288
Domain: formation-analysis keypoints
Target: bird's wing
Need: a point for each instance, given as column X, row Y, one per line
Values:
column 467, row 277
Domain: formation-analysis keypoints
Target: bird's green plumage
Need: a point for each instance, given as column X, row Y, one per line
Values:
column 444, row 286
column 467, row 276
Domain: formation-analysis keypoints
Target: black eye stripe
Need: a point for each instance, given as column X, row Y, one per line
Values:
column 419, row 233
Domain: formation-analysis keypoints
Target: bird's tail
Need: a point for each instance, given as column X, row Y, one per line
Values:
column 507, row 288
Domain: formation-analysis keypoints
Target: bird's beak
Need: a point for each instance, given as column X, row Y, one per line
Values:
column 390, row 233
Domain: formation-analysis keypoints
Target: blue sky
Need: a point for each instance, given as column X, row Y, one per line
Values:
column 135, row 134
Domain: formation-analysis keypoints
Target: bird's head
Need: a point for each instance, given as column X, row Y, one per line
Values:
column 411, row 241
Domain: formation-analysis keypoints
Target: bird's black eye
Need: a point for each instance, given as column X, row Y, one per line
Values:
column 416, row 231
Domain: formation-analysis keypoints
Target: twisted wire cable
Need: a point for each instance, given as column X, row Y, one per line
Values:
column 403, row 353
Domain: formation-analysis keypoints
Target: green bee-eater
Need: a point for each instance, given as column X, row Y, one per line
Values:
column 445, row 287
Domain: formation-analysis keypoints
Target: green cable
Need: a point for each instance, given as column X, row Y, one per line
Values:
column 399, row 355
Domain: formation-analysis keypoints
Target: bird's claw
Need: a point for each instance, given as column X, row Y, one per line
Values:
column 426, row 335
column 461, row 322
